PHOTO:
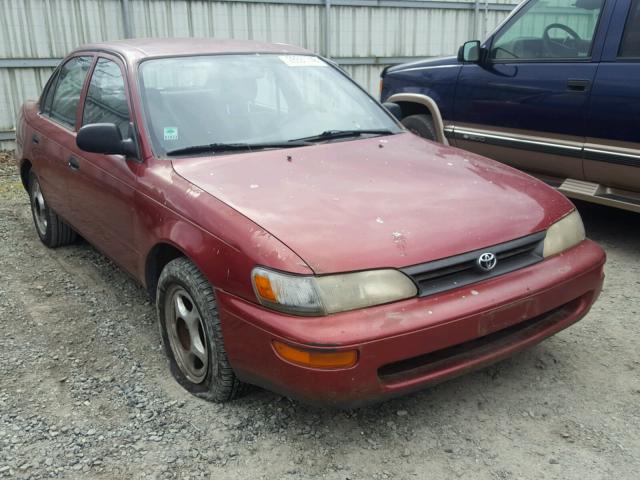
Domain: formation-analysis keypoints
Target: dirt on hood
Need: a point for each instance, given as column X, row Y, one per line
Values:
column 387, row 201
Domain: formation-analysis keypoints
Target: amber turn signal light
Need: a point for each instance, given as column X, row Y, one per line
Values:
column 263, row 286
column 316, row 358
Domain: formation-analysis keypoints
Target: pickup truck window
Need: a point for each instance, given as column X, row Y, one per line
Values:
column 630, row 46
column 67, row 93
column 106, row 100
column 549, row 29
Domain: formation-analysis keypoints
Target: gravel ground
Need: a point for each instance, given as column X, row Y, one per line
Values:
column 85, row 391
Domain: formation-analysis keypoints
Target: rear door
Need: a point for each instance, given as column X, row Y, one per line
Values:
column 526, row 104
column 612, row 149
column 102, row 187
column 55, row 131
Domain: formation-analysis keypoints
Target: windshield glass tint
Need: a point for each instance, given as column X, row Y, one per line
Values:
column 191, row 101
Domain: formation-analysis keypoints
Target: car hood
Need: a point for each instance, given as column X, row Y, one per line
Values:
column 389, row 201
column 429, row 62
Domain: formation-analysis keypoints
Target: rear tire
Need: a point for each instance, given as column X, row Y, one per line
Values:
column 51, row 229
column 421, row 125
column 192, row 334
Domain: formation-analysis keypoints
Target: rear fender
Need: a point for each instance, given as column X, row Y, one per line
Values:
column 24, row 154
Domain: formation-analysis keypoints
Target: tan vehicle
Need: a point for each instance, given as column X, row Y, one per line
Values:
column 555, row 91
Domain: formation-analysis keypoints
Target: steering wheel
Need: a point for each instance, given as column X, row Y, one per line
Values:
column 548, row 41
column 502, row 49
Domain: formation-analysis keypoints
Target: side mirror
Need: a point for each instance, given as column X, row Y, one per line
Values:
column 394, row 109
column 105, row 138
column 469, row 52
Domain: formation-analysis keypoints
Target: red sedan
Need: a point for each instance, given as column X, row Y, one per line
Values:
column 292, row 234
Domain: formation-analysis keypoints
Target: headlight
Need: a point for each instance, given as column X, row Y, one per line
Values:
column 564, row 234
column 322, row 295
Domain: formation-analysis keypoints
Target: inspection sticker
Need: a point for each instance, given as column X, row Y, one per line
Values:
column 302, row 61
column 171, row 133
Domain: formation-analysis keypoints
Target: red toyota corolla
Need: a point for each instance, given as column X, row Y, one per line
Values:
column 292, row 234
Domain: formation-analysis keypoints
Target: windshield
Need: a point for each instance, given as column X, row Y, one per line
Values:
column 252, row 99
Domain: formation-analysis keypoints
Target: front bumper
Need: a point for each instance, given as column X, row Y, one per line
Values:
column 407, row 345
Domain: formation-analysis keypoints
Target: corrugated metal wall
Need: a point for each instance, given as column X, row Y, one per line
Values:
column 364, row 35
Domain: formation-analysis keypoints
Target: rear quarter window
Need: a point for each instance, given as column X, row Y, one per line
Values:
column 47, row 94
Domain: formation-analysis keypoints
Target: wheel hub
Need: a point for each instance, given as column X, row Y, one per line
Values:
column 39, row 207
column 185, row 332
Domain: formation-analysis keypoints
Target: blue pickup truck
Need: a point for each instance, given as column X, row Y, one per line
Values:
column 554, row 91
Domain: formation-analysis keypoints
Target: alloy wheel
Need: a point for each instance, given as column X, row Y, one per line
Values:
column 39, row 207
column 186, row 334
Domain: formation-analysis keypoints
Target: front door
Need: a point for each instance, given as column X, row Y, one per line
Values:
column 612, row 149
column 102, row 187
column 526, row 103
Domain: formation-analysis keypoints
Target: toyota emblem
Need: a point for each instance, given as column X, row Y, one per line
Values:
column 487, row 261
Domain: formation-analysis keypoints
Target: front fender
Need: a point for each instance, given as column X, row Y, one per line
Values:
column 437, row 82
column 224, row 244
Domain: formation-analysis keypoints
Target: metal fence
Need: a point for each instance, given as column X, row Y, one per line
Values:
column 362, row 35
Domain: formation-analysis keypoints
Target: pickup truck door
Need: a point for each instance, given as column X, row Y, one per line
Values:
column 102, row 187
column 612, row 149
column 525, row 104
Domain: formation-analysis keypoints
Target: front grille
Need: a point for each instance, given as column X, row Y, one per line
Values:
column 460, row 270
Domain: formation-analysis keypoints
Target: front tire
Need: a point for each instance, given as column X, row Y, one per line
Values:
column 192, row 334
column 421, row 125
column 51, row 229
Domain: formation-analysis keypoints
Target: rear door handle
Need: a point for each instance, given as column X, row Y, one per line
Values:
column 35, row 138
column 74, row 163
column 578, row 84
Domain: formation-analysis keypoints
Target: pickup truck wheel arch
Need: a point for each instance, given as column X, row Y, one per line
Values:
column 428, row 106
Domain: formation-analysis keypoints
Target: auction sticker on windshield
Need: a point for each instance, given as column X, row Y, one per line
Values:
column 171, row 133
column 302, row 61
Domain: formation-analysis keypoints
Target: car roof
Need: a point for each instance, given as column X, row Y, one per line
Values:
column 136, row 49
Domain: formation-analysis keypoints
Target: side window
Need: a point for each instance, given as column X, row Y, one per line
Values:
column 66, row 97
column 106, row 100
column 630, row 46
column 548, row 29
column 47, row 96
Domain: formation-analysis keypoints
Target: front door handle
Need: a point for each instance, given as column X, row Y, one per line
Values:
column 578, row 84
column 74, row 163
column 35, row 138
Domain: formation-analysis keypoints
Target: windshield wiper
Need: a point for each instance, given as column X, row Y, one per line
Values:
column 330, row 134
column 228, row 147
